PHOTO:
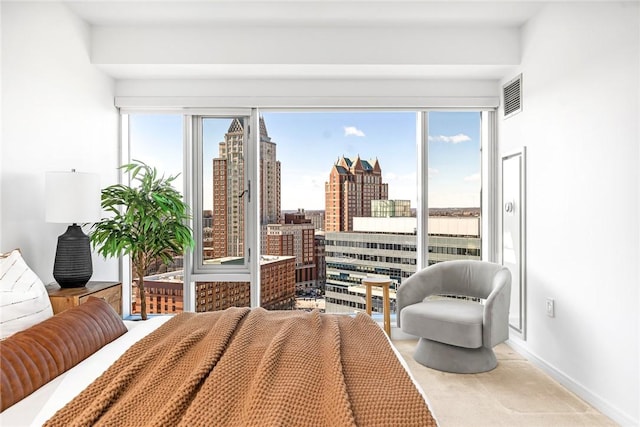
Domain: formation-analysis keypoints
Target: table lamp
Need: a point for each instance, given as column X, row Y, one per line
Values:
column 72, row 197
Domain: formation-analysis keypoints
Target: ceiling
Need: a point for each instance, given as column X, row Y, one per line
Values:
column 304, row 13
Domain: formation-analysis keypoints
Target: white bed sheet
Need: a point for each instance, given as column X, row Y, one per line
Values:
column 38, row 407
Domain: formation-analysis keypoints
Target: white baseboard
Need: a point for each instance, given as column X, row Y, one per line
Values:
column 584, row 393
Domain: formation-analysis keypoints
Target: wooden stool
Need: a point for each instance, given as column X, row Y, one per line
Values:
column 384, row 283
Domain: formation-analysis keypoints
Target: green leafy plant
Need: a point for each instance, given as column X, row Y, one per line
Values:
column 148, row 222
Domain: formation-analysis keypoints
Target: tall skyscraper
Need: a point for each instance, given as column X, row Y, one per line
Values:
column 270, row 206
column 352, row 185
column 228, row 185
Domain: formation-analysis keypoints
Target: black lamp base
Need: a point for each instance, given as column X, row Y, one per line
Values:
column 73, row 267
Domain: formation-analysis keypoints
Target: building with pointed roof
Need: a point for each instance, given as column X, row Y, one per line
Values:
column 352, row 185
column 228, row 182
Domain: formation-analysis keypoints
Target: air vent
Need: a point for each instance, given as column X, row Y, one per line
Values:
column 512, row 96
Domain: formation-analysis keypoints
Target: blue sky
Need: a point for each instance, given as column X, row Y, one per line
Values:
column 309, row 143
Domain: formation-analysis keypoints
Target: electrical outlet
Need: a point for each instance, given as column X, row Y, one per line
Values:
column 551, row 307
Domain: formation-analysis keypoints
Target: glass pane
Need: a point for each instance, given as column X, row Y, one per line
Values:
column 454, row 186
column 223, row 185
column 224, row 144
column 348, row 195
column 156, row 139
column 215, row 296
column 277, row 278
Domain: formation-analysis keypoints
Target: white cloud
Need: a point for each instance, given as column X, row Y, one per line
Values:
column 401, row 186
column 352, row 130
column 306, row 191
column 432, row 172
column 454, row 139
column 448, row 199
column 474, row 177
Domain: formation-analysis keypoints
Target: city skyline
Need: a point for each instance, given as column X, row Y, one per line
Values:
column 309, row 143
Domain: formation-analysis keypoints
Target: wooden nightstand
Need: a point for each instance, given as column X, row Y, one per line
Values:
column 64, row 298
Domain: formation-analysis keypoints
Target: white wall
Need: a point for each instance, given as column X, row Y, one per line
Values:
column 1, row 127
column 57, row 114
column 580, row 126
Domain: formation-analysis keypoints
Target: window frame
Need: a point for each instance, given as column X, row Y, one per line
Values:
column 194, row 268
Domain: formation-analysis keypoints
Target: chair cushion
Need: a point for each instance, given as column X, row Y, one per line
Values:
column 450, row 321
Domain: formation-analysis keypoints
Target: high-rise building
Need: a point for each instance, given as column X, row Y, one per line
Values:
column 387, row 247
column 390, row 208
column 269, row 179
column 164, row 292
column 316, row 217
column 295, row 237
column 320, row 260
column 277, row 291
column 228, row 184
column 352, row 185
column 224, row 238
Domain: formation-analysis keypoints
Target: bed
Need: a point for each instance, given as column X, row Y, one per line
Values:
column 239, row 366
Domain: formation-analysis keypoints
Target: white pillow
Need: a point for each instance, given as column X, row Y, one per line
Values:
column 23, row 298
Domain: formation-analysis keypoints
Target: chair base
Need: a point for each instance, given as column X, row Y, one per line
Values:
column 449, row 358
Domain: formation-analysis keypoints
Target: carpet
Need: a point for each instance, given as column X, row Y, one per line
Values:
column 516, row 393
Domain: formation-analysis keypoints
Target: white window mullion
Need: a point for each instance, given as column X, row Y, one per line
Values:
column 123, row 178
column 252, row 204
column 422, row 237
column 188, row 288
column 489, row 201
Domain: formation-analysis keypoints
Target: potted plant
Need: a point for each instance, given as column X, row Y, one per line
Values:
column 149, row 221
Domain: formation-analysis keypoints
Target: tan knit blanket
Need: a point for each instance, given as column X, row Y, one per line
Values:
column 242, row 367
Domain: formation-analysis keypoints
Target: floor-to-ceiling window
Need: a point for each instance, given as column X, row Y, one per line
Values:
column 157, row 140
column 346, row 185
column 305, row 204
column 454, row 189
column 220, row 195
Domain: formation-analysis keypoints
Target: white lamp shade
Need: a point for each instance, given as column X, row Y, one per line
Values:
column 72, row 197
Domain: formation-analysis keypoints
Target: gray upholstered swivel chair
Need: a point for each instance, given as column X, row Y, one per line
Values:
column 456, row 335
